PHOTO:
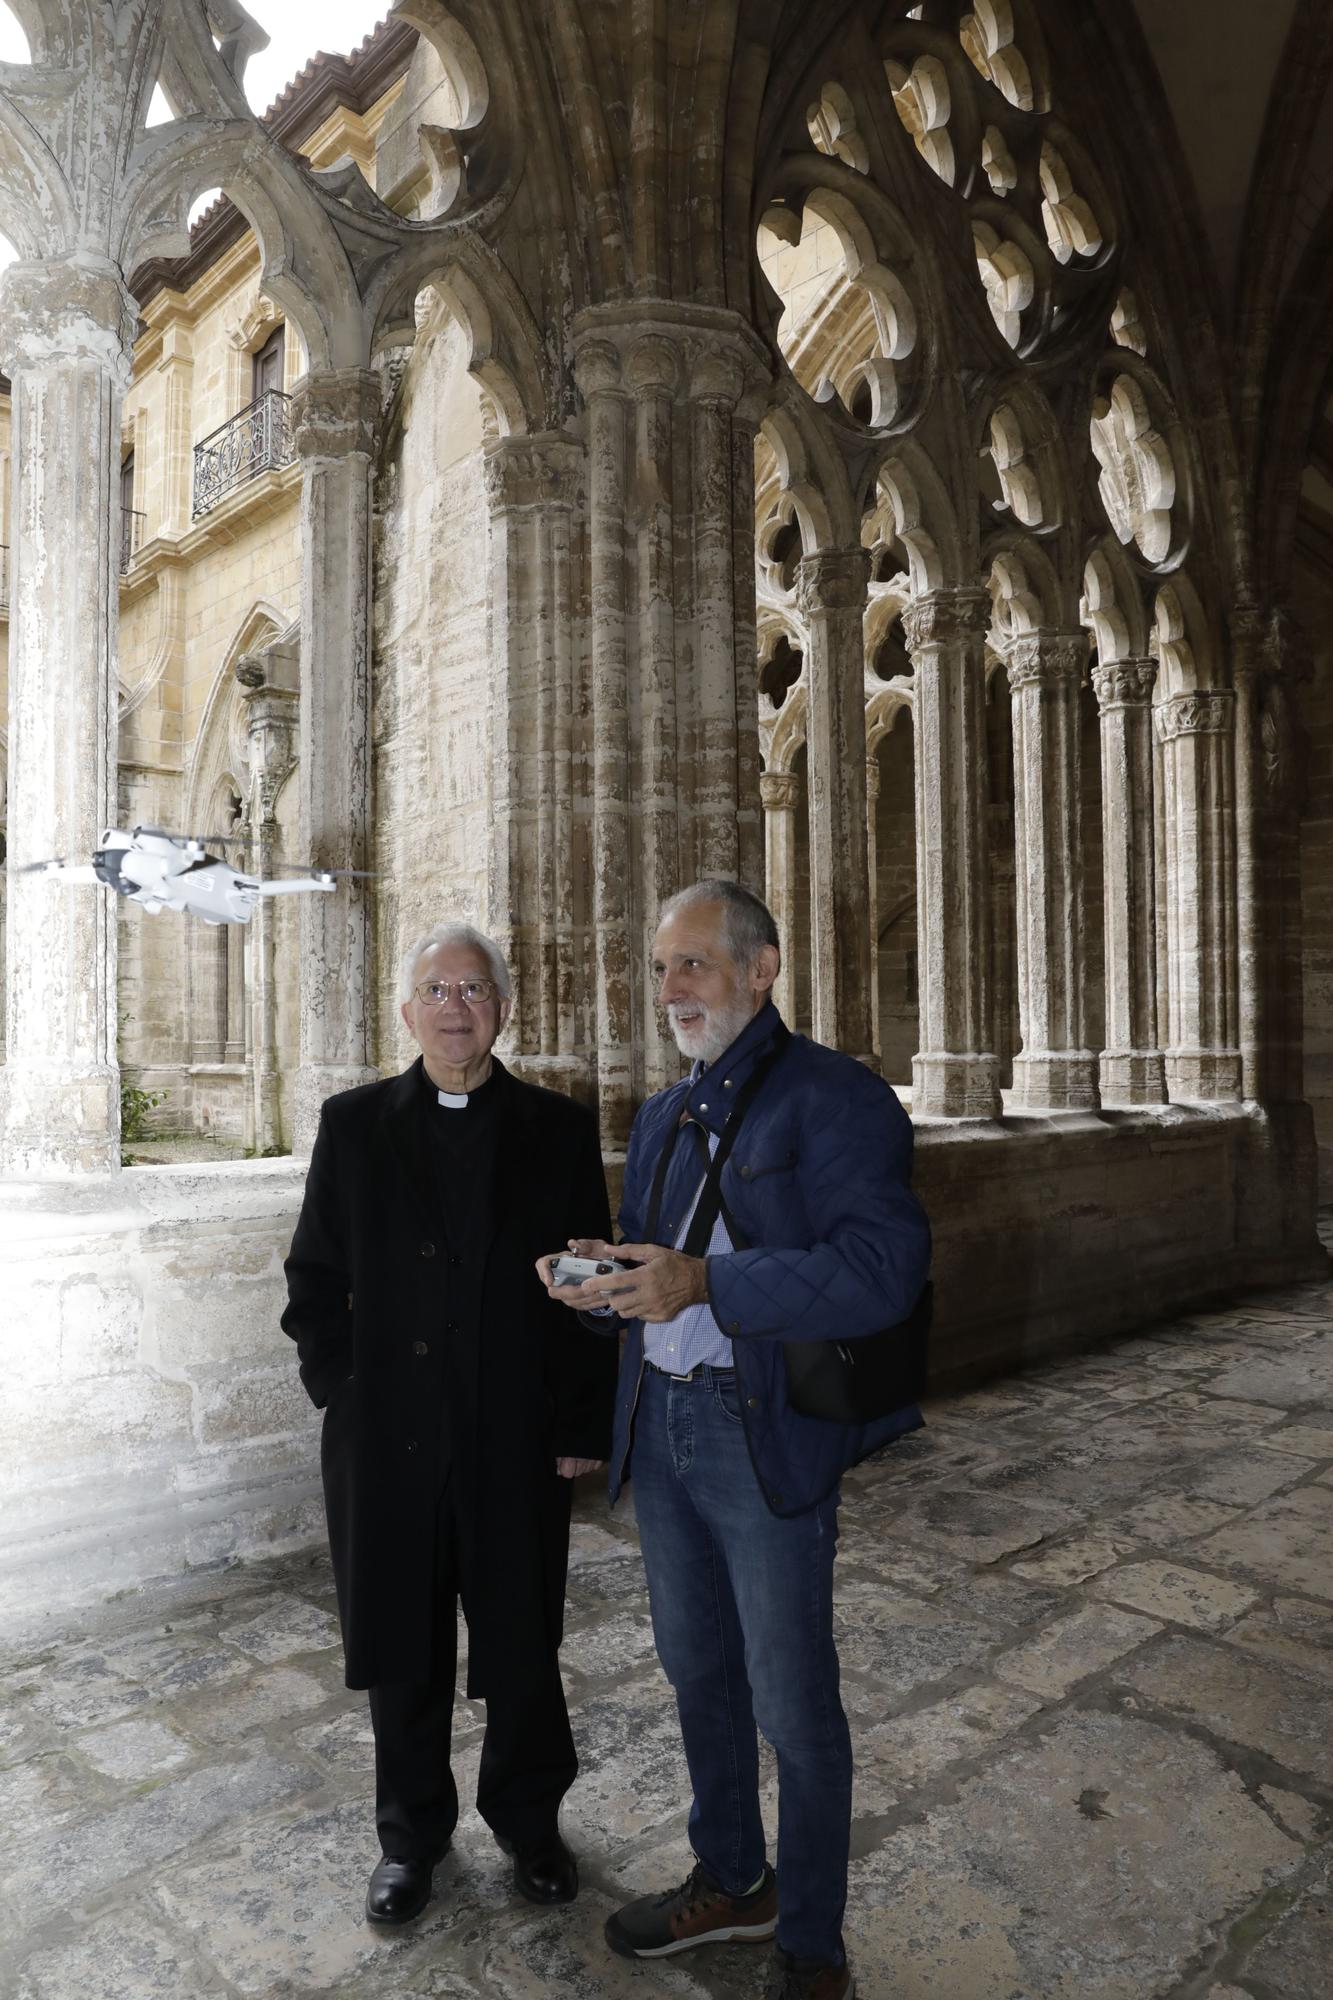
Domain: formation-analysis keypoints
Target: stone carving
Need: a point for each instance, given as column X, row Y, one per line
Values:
column 1124, row 683
column 1207, row 712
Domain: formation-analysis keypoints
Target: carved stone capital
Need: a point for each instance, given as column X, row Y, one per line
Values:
column 719, row 374
column 531, row 472
column 1206, row 712
column 946, row 618
column 1124, row 684
column 67, row 309
column 779, row 791
column 337, row 414
column 653, row 365
column 835, row 580
column 597, row 368
column 1046, row 660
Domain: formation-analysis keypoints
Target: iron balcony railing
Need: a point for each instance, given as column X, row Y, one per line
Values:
column 257, row 439
column 131, row 534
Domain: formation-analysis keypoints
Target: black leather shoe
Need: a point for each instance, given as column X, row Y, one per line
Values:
column 399, row 1889
column 544, row 1870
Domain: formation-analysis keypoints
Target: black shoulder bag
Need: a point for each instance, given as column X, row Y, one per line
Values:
column 850, row 1381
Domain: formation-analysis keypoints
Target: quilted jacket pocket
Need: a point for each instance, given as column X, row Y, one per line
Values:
column 763, row 1164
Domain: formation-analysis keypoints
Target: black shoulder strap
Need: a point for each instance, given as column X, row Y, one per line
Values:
column 710, row 1202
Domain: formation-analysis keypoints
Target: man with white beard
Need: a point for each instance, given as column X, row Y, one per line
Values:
column 817, row 1238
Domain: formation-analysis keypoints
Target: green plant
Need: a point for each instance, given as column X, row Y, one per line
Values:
column 135, row 1106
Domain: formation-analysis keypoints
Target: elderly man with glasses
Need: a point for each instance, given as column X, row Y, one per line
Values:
column 459, row 1404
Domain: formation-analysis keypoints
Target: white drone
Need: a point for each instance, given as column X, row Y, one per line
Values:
column 175, row 871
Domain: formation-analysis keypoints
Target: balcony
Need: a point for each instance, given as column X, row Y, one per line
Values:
column 258, row 439
column 131, row 534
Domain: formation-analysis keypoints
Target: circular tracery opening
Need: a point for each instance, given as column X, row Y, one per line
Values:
column 1138, row 475
column 922, row 101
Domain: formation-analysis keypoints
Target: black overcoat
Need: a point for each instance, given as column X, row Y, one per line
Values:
column 375, row 1294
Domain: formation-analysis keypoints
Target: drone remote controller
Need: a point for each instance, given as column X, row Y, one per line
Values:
column 577, row 1270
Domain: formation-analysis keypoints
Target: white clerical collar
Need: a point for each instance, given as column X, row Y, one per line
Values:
column 454, row 1100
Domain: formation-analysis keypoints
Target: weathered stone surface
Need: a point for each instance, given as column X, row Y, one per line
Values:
column 1306, row 1440
column 1293, row 1959
column 1240, row 1478
column 118, row 1959
column 1075, row 1560
column 1288, row 1541
column 914, row 1748
column 1182, row 1596
column 1240, row 1700
column 1092, row 1866
column 900, row 1643
column 284, row 1627
column 92, row 1854
column 979, row 1527
column 1173, row 1517
column 133, row 1750
column 1071, row 1649
column 1290, row 1633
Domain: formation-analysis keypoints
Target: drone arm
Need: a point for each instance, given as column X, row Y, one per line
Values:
column 80, row 872
column 297, row 886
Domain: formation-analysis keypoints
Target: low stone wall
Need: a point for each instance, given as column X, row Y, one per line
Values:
column 151, row 1419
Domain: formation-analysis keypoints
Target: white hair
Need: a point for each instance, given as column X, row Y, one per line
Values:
column 454, row 933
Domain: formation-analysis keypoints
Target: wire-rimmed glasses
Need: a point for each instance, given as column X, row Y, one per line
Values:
column 436, row 992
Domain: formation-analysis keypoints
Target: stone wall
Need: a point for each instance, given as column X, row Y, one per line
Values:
column 1317, row 891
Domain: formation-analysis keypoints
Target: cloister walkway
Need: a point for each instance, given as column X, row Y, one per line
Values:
column 1087, row 1635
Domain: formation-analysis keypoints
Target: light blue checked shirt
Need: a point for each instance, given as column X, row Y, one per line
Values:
column 693, row 1336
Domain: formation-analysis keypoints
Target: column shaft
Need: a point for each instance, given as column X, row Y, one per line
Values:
column 1132, row 1070
column 955, row 1073
column 65, row 343
column 1195, row 730
column 831, row 594
column 334, row 419
column 599, row 378
column 1052, row 1068
column 872, row 884
column 780, row 792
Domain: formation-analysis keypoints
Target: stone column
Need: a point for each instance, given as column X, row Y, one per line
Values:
column 831, row 591
column 1052, row 1068
column 780, row 794
column 1000, row 835
column 334, row 421
column 652, row 371
column 65, row 343
column 271, row 710
column 872, row 884
column 717, row 384
column 597, row 370
column 1195, row 731
column 176, row 366
column 531, row 487
column 1132, row 1071
column 954, row 1075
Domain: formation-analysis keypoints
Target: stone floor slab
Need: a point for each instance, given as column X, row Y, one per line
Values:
column 1179, row 1595
column 1240, row 1700
column 1092, row 1865
column 125, row 1957
column 1074, row 1647
column 1291, row 1632
column 1287, row 1541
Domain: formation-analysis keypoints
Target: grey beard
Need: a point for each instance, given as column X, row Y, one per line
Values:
column 720, row 1029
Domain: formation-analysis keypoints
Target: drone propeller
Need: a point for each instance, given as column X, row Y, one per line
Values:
column 309, row 868
column 198, row 839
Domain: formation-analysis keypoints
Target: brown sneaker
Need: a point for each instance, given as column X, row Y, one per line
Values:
column 699, row 1912
column 805, row 1979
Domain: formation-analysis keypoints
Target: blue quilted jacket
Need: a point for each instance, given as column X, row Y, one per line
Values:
column 817, row 1183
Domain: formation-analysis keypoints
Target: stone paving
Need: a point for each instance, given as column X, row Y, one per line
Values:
column 1086, row 1623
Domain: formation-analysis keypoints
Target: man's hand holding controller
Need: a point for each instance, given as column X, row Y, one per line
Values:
column 646, row 1281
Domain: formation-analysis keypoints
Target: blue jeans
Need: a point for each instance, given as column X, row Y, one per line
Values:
column 742, row 1606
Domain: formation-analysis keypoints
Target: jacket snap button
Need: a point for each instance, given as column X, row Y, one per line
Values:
column 745, row 1173
column 428, row 1249
column 420, row 1347
column 703, row 1107
column 411, row 1445
column 734, row 1327
column 776, row 1499
column 726, row 1083
column 752, row 1402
